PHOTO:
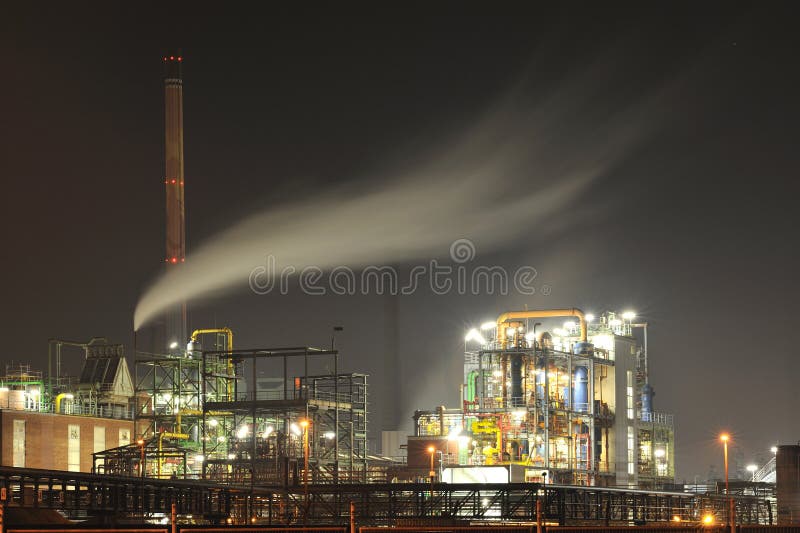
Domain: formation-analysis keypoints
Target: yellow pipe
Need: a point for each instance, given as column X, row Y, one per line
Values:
column 229, row 336
column 547, row 313
column 59, row 398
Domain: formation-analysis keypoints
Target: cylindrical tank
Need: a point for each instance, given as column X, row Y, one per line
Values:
column 583, row 348
column 787, row 486
column 516, row 380
column 16, row 399
column 580, row 384
column 194, row 349
column 647, row 401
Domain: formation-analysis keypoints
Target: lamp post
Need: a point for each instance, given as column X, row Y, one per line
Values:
column 731, row 517
column 432, row 473
column 141, row 443
column 305, row 425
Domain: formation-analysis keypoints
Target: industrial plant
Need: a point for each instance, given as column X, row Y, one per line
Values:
column 542, row 408
column 572, row 405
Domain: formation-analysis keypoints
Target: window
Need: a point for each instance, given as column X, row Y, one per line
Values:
column 99, row 444
column 74, row 448
column 99, row 439
column 124, row 437
column 631, row 447
column 19, row 444
column 629, row 395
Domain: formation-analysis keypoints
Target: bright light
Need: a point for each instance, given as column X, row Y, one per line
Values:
column 774, row 449
column 221, row 438
column 530, row 336
column 708, row 519
column 497, row 373
column 69, row 396
column 329, row 435
column 676, row 518
column 174, row 344
column 486, row 326
column 294, row 428
column 474, row 335
column 243, row 431
column 199, row 458
column 510, row 332
column 431, row 449
column 304, row 423
column 628, row 315
column 231, row 456
column 519, row 414
column 454, row 433
column 140, row 442
column 751, row 468
column 3, row 389
column 660, row 452
column 588, row 317
column 213, row 422
column 614, row 322
column 561, row 332
column 34, row 392
column 268, row 431
column 569, row 325
column 724, row 437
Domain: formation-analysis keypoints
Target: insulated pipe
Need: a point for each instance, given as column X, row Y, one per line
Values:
column 547, row 313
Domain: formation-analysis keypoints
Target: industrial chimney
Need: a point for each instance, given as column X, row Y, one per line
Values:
column 176, row 334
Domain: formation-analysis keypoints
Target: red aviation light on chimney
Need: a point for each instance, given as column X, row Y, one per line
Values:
column 172, row 58
column 174, row 259
column 180, row 58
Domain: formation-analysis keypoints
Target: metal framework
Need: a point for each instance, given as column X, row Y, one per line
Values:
column 374, row 504
column 252, row 433
column 169, row 405
column 523, row 405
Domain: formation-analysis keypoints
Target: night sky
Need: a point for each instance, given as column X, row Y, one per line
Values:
column 691, row 222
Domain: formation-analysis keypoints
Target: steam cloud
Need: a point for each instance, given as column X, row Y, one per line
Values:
column 515, row 169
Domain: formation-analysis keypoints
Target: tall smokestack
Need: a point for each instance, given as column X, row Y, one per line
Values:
column 173, row 180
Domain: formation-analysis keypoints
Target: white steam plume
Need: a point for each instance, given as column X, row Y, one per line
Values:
column 513, row 171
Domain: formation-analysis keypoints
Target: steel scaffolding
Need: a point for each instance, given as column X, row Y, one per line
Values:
column 303, row 429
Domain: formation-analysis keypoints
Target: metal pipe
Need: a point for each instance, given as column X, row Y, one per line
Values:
column 546, row 313
column 229, row 348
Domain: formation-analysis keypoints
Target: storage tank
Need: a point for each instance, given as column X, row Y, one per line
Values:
column 787, row 484
column 16, row 399
column 581, row 393
column 516, row 381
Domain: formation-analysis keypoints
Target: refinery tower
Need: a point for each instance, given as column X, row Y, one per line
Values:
column 176, row 333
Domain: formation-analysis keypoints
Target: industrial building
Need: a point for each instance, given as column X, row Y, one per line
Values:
column 56, row 422
column 571, row 405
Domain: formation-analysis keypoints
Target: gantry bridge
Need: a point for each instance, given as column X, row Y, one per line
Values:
column 112, row 498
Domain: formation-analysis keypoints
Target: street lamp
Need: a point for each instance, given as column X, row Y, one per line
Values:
column 731, row 518
column 141, row 443
column 752, row 469
column 304, row 423
column 432, row 473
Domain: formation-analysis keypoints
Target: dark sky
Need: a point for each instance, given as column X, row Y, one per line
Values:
column 692, row 224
